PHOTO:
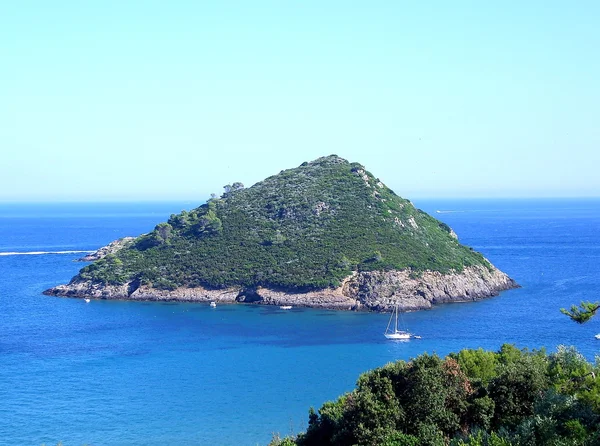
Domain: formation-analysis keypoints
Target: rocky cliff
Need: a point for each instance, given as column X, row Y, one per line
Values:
column 374, row 291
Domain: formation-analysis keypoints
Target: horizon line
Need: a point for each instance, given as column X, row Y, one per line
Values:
column 201, row 200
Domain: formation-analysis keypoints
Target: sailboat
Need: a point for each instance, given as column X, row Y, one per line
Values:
column 395, row 333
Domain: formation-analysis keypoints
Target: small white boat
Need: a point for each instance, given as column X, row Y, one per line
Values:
column 395, row 333
column 87, row 301
column 286, row 307
column 213, row 305
column 597, row 336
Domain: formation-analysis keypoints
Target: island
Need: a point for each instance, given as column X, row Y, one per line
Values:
column 326, row 234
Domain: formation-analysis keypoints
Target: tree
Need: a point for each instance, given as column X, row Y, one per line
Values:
column 209, row 223
column 180, row 221
column 232, row 187
column 163, row 232
column 583, row 313
column 479, row 365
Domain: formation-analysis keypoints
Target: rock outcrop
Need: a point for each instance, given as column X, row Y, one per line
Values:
column 111, row 248
column 371, row 291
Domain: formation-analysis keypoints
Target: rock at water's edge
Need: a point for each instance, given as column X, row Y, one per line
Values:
column 111, row 248
column 373, row 291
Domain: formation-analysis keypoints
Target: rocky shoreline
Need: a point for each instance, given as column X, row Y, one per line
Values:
column 111, row 248
column 368, row 291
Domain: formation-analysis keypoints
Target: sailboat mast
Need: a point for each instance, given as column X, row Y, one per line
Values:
column 389, row 322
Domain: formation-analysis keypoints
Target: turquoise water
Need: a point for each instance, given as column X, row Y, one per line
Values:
column 133, row 373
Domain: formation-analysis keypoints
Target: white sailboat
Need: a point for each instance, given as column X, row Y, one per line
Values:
column 395, row 333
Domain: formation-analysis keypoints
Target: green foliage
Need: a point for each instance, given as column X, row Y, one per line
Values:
column 479, row 365
column 208, row 224
column 305, row 228
column 481, row 411
column 163, row 232
column 400, row 439
column 569, row 370
column 515, row 389
column 583, row 313
column 278, row 441
column 505, row 398
column 481, row 438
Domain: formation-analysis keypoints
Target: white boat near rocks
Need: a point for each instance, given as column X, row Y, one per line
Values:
column 396, row 334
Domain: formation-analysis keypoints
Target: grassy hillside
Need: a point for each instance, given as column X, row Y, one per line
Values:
column 304, row 228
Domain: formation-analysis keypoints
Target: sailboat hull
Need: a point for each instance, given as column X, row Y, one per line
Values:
column 398, row 335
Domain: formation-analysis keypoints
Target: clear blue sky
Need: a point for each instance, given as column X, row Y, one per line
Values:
column 104, row 100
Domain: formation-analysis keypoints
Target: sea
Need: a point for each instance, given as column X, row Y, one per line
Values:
column 147, row 373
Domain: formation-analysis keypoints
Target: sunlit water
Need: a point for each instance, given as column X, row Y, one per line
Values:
column 153, row 373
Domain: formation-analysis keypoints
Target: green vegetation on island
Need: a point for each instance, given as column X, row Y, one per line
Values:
column 305, row 228
column 475, row 397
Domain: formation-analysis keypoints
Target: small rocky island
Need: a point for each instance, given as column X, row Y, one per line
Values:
column 326, row 234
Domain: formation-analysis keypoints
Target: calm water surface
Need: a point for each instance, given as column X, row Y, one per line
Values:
column 135, row 373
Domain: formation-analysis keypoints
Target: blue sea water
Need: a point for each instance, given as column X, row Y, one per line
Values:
column 136, row 373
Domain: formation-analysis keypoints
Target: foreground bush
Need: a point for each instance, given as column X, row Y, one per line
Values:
column 474, row 397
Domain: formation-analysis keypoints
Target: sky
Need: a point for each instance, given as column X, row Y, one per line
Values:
column 153, row 100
